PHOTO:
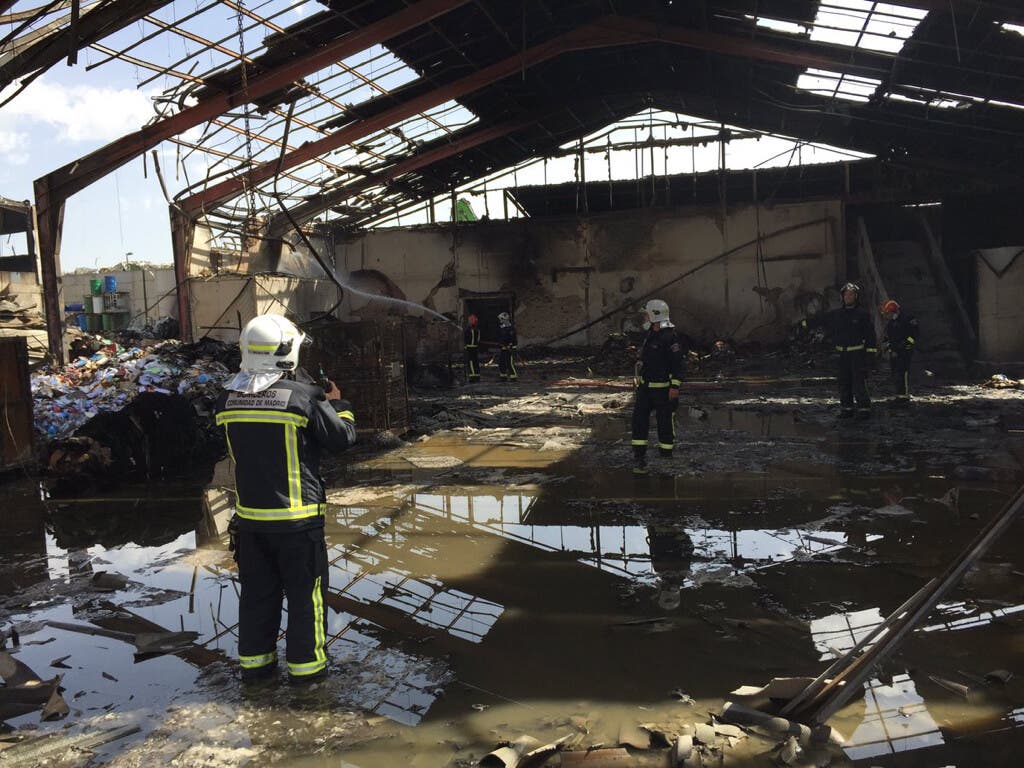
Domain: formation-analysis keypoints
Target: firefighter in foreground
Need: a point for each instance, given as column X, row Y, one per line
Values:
column 471, row 343
column 901, row 334
column 509, row 347
column 659, row 373
column 276, row 428
column 853, row 334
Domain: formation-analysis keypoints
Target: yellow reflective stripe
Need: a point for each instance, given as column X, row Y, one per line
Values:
column 263, row 347
column 291, row 449
column 872, row 349
column 850, row 349
column 658, row 385
column 638, row 442
column 261, row 417
column 347, row 415
column 666, row 446
column 319, row 632
column 910, row 339
column 310, row 668
column 260, row 660
column 281, row 513
column 676, row 382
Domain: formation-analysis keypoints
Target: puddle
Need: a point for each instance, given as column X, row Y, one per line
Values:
column 531, row 592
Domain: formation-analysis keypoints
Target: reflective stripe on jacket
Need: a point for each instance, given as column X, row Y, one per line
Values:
column 275, row 438
column 661, row 359
column 849, row 328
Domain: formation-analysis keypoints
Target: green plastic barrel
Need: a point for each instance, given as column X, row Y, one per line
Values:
column 96, row 286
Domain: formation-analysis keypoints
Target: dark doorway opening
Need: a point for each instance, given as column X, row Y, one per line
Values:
column 487, row 308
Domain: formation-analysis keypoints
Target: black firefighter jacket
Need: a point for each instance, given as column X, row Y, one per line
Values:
column 661, row 359
column 849, row 328
column 275, row 438
column 902, row 333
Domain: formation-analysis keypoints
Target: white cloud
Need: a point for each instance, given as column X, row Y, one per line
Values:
column 80, row 113
column 13, row 147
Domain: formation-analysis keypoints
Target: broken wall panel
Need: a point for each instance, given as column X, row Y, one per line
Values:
column 1000, row 280
column 562, row 272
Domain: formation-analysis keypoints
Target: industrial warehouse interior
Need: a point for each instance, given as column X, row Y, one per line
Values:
column 681, row 342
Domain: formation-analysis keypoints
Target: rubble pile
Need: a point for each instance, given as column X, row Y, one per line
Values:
column 13, row 315
column 113, row 376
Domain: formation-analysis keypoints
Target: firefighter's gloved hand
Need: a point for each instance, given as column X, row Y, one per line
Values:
column 673, row 394
column 332, row 392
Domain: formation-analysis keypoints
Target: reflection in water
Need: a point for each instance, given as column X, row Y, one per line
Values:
column 625, row 550
column 896, row 718
column 969, row 616
column 187, row 582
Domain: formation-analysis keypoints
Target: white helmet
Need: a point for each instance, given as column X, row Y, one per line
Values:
column 656, row 311
column 505, row 318
column 270, row 347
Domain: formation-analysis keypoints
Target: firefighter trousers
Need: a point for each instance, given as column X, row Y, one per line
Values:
column 853, row 381
column 900, row 366
column 272, row 566
column 507, row 364
column 657, row 400
column 472, row 364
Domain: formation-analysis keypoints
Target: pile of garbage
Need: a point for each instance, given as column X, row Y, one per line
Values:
column 112, row 377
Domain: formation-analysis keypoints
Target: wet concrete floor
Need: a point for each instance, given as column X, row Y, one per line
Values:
column 486, row 584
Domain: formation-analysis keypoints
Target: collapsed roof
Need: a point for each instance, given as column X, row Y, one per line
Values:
column 362, row 107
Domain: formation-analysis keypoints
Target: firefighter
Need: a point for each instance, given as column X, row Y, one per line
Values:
column 659, row 373
column 509, row 346
column 276, row 428
column 471, row 341
column 851, row 331
column 901, row 334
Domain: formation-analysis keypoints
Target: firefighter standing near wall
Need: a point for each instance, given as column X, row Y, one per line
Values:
column 853, row 334
column 276, row 428
column 901, row 334
column 659, row 373
column 509, row 347
column 471, row 344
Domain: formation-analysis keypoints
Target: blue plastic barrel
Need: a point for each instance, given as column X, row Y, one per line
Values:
column 109, row 284
column 83, row 322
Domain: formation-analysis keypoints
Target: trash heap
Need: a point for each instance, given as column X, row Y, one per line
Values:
column 113, row 376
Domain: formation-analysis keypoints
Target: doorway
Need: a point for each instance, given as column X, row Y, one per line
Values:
column 487, row 307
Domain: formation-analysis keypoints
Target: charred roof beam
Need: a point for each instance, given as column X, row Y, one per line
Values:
column 603, row 33
column 90, row 28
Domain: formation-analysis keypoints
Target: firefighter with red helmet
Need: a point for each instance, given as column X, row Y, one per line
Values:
column 901, row 336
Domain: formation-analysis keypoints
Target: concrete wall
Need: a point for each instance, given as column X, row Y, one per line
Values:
column 565, row 272
column 221, row 305
column 1000, row 309
column 159, row 290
